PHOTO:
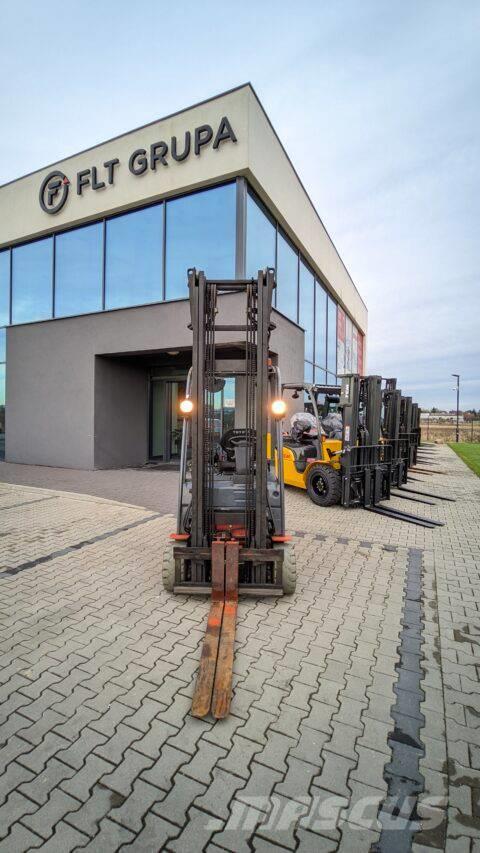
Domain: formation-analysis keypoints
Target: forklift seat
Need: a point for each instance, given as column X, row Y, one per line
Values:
column 302, row 451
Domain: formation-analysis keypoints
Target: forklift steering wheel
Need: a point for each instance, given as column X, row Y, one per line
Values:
column 232, row 438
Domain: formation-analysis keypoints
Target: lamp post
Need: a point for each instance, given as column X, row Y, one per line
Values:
column 457, row 377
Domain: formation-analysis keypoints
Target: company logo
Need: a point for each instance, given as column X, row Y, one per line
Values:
column 54, row 192
column 154, row 158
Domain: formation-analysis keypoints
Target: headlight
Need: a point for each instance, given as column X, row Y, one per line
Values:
column 186, row 406
column 279, row 407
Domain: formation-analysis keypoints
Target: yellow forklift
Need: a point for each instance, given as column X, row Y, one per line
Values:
column 311, row 456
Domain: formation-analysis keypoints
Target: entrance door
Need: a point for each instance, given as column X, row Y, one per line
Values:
column 165, row 421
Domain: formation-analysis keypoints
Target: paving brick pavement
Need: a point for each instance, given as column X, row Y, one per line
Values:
column 98, row 750
column 150, row 486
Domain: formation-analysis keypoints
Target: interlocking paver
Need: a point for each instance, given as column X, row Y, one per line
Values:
column 98, row 664
column 110, row 838
column 20, row 839
column 216, row 799
column 15, row 807
column 75, row 753
column 81, row 783
column 154, row 835
column 38, row 787
column 44, row 820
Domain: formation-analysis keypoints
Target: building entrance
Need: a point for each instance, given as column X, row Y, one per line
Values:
column 166, row 421
column 165, row 418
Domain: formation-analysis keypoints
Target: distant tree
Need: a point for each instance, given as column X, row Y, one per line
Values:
column 433, row 410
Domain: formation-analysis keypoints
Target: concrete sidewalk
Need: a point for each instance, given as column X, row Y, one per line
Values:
column 355, row 709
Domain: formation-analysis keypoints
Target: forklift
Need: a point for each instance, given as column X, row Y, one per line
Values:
column 230, row 533
column 390, row 431
column 351, row 468
column 359, row 468
column 312, row 462
column 401, row 430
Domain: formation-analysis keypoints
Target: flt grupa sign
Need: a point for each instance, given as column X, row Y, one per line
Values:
column 56, row 185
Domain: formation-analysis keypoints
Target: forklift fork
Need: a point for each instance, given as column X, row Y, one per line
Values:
column 213, row 689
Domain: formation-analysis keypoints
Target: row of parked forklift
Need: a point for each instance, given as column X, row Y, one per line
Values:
column 350, row 444
column 353, row 444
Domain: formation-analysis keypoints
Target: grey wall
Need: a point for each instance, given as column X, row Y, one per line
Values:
column 121, row 409
column 67, row 408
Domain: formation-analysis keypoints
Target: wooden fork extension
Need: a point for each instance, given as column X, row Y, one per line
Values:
column 213, row 690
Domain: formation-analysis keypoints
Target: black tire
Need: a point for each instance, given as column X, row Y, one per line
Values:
column 324, row 485
column 289, row 569
column 168, row 564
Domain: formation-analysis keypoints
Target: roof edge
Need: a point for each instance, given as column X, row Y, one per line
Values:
column 247, row 85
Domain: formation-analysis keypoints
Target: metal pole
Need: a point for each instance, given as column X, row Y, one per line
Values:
column 457, row 377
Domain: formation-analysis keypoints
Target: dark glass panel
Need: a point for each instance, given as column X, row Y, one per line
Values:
column 307, row 308
column 201, row 234
column 4, row 288
column 32, row 281
column 308, row 372
column 134, row 258
column 287, row 275
column 79, row 271
column 261, row 237
column 320, row 326
column 2, row 411
column 332, row 336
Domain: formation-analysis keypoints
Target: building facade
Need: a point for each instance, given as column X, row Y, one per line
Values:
column 94, row 252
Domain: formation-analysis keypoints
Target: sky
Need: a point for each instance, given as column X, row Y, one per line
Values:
column 376, row 101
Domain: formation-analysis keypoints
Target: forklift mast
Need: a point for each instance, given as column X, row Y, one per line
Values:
column 366, row 462
column 391, row 417
column 361, row 402
column 206, row 371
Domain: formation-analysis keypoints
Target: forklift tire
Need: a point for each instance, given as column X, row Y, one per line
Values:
column 324, row 485
column 168, row 565
column 289, row 569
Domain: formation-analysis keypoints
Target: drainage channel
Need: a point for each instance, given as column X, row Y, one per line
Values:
column 398, row 813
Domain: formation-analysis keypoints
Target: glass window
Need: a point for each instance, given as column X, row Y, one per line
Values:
column 4, row 288
column 79, row 270
column 261, row 237
column 341, row 322
column 32, row 281
column 320, row 376
column 308, row 372
column 307, row 308
column 229, row 404
column 331, row 379
column 2, row 411
column 332, row 336
column 348, row 345
column 287, row 274
column 134, row 258
column 3, row 344
column 320, row 326
column 201, row 234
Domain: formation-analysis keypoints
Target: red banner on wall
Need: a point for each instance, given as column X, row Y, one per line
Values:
column 354, row 350
column 360, row 352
